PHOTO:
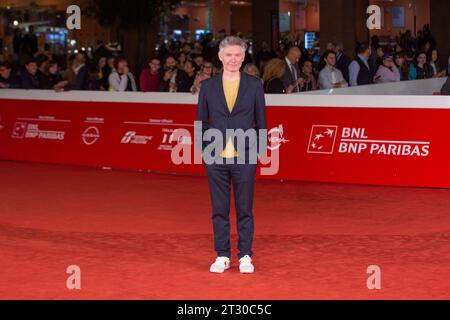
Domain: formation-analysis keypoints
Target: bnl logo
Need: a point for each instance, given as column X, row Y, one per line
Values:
column 322, row 139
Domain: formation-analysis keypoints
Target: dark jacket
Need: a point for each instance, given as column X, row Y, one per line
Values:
column 288, row 77
column 81, row 80
column 275, row 86
column 248, row 112
column 184, row 81
column 28, row 80
column 342, row 64
column 424, row 73
column 365, row 76
column 12, row 82
column 180, row 80
column 48, row 81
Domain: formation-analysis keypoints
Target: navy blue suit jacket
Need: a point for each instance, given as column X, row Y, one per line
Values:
column 249, row 110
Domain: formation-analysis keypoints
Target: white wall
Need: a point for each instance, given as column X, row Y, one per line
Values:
column 415, row 87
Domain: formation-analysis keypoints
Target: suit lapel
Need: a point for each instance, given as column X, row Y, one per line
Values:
column 222, row 98
column 241, row 91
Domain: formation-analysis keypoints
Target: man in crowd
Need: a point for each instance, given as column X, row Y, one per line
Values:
column 8, row 80
column 331, row 77
column 28, row 75
column 150, row 77
column 170, row 75
column 292, row 73
column 342, row 61
column 360, row 71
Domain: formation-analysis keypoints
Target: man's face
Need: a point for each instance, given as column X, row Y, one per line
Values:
column 187, row 48
column 53, row 69
column 232, row 58
column 330, row 46
column 32, row 68
column 294, row 56
column 121, row 66
column 171, row 63
column 154, row 66
column 199, row 60
column 5, row 72
column 198, row 47
column 331, row 60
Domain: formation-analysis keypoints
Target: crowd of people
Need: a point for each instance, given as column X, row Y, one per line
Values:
column 182, row 66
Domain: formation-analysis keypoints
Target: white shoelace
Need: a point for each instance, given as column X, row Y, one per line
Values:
column 245, row 260
column 221, row 259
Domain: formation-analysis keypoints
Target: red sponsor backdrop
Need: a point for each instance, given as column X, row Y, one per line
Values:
column 387, row 146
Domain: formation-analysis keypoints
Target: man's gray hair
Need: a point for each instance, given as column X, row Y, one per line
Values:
column 232, row 41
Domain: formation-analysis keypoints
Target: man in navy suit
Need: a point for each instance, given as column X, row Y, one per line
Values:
column 232, row 100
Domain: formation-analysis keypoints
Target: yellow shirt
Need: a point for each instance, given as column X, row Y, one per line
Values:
column 230, row 88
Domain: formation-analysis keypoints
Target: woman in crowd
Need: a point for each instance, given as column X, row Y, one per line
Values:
column 308, row 75
column 424, row 70
column 51, row 77
column 95, row 78
column 273, row 72
column 433, row 58
column 205, row 72
column 107, row 69
column 100, row 67
column 405, row 70
column 182, row 58
column 186, row 77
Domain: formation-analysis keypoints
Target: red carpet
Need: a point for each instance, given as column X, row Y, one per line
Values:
column 148, row 236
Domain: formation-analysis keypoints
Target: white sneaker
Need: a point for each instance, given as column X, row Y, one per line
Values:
column 245, row 265
column 220, row 265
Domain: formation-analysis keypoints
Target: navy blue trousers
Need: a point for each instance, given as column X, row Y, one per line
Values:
column 220, row 177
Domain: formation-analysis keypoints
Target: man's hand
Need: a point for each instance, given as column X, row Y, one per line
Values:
column 59, row 87
column 168, row 75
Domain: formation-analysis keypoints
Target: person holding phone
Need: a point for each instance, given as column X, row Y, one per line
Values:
column 291, row 77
